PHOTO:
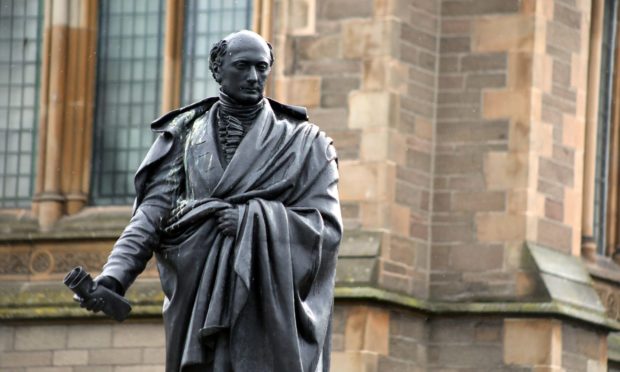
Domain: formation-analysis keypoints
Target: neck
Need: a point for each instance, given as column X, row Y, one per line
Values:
column 245, row 113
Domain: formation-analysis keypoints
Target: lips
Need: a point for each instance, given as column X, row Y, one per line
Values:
column 250, row 90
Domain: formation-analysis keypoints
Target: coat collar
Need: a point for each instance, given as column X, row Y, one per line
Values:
column 161, row 123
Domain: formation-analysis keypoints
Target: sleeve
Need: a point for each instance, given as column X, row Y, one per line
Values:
column 163, row 186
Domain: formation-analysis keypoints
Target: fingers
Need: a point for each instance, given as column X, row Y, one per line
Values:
column 227, row 221
column 93, row 304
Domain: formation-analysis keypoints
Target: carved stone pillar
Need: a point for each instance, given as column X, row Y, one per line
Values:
column 67, row 94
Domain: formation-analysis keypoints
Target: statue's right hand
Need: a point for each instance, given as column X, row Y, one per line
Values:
column 95, row 304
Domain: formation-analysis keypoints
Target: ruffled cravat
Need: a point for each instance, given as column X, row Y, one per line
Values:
column 233, row 122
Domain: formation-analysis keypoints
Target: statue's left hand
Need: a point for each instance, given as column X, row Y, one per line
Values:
column 228, row 220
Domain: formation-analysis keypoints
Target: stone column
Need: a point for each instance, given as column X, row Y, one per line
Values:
column 67, row 96
column 48, row 196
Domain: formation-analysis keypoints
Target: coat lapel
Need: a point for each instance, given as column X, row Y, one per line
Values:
column 249, row 154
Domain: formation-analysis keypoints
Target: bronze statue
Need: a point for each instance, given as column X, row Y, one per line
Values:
column 237, row 198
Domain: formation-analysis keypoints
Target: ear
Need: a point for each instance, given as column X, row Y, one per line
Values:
column 216, row 74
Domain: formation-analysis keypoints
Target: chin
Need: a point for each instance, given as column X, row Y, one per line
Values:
column 249, row 99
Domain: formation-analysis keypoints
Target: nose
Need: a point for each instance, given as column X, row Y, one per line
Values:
column 252, row 74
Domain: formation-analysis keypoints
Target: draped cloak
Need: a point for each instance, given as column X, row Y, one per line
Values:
column 259, row 301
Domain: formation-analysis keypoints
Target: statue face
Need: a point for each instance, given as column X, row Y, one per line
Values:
column 244, row 69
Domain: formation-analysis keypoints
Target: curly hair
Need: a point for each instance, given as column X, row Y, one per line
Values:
column 217, row 53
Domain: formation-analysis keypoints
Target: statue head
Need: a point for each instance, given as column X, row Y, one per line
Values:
column 241, row 63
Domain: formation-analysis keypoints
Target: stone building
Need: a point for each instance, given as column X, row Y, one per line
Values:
column 479, row 145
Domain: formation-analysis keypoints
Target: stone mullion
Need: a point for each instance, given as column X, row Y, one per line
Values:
column 49, row 197
column 587, row 221
column 262, row 18
column 80, row 100
column 67, row 96
column 91, row 15
column 613, row 197
column 173, row 55
column 43, row 106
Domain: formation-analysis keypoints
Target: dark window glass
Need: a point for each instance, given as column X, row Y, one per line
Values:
column 207, row 22
column 601, row 184
column 129, row 78
column 20, row 43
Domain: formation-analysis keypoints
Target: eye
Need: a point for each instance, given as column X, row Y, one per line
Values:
column 241, row 65
column 262, row 67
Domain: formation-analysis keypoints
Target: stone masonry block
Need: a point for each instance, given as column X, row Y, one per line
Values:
column 354, row 361
column 452, row 82
column 49, row 369
column 154, row 355
column 70, row 357
column 587, row 342
column 520, row 70
column 121, row 356
column 419, row 38
column 567, row 16
column 503, row 33
column 41, row 338
column 299, row 90
column 384, row 74
column 555, row 235
column 455, row 44
column 506, row 104
column 573, row 132
column 139, row 369
column 372, row 109
column 503, row 170
column 564, row 37
column 455, row 26
column 484, row 62
column 474, row 258
column 25, row 359
column 341, row 9
column 483, row 201
column 473, row 357
column 396, row 8
column 424, row 128
column 363, row 38
column 362, row 181
column 373, row 215
column 322, row 47
column 374, row 144
column 302, row 17
column 367, row 329
column 452, row 233
column 138, row 335
column 6, row 338
column 395, row 282
column 400, row 219
column 476, row 7
column 555, row 172
column 484, row 80
column 93, row 336
column 93, row 369
column 458, row 163
column 532, row 342
column 495, row 227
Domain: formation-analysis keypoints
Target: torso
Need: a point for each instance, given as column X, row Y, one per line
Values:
column 203, row 168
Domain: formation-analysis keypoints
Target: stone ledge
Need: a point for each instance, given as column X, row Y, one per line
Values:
column 603, row 268
column 566, row 279
column 51, row 300
column 553, row 308
column 90, row 223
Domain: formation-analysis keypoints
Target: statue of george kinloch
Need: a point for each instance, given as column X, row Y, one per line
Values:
column 237, row 198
